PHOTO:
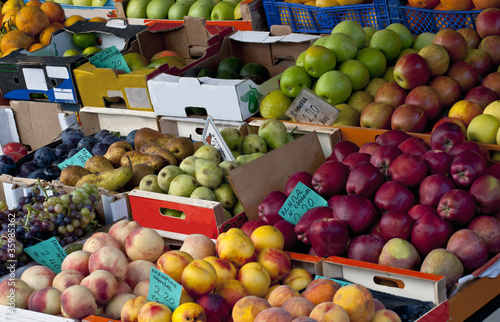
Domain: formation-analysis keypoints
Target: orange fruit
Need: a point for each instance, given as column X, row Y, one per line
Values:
column 9, row 19
column 98, row 19
column 12, row 5
column 9, row 51
column 327, row 3
column 44, row 36
column 53, row 11
column 15, row 39
column 35, row 46
column 35, row 3
column 457, row 5
column 72, row 19
column 485, row 4
column 57, row 24
column 31, row 20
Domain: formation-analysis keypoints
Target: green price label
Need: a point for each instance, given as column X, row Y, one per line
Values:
column 78, row 159
column 163, row 289
column 300, row 200
column 48, row 253
column 110, row 57
column 342, row 283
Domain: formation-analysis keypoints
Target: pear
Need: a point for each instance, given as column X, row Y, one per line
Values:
column 227, row 214
column 232, row 137
column 273, row 132
column 171, row 212
column 150, row 183
column 182, row 185
column 208, row 173
column 253, row 143
column 166, row 175
column 227, row 166
column 187, row 165
column 235, row 153
column 203, row 193
column 208, row 152
column 71, row 174
column 225, row 195
column 111, row 180
column 245, row 158
column 98, row 163
column 238, row 208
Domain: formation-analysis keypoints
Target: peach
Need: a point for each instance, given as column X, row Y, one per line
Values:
column 78, row 261
column 280, row 294
column 378, row 305
column 267, row 236
column 357, row 301
column 77, row 302
column 142, row 288
column 199, row 278
column 199, row 246
column 224, row 268
column 277, row 263
column 189, row 311
column 298, row 278
column 47, row 300
column 385, row 315
column 329, row 311
column 235, row 246
column 185, row 297
column 232, row 291
column 114, row 307
column 255, row 278
column 19, row 298
column 130, row 310
column 110, row 259
column 247, row 308
column 320, row 292
column 137, row 271
column 270, row 290
column 215, row 307
column 298, row 306
column 121, row 229
column 173, row 263
column 99, row 240
column 38, row 277
column 102, row 284
column 123, row 288
column 304, row 319
column 67, row 278
column 144, row 243
column 154, row 312
column 276, row 314
column 324, row 279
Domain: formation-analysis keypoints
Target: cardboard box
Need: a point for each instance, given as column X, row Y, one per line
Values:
column 87, row 12
column 193, row 41
column 27, row 315
column 8, row 129
column 227, row 99
column 253, row 17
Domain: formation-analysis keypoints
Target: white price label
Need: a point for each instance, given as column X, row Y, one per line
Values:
column 307, row 107
column 212, row 136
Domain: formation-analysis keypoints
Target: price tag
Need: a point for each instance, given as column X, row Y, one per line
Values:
column 110, row 57
column 48, row 253
column 341, row 282
column 308, row 107
column 163, row 289
column 78, row 159
column 212, row 136
column 300, row 200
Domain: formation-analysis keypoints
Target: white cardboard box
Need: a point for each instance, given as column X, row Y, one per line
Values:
column 8, row 129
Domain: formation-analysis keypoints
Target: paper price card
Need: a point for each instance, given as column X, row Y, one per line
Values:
column 307, row 107
column 341, row 282
column 78, row 159
column 163, row 289
column 212, row 136
column 300, row 200
column 48, row 253
column 110, row 57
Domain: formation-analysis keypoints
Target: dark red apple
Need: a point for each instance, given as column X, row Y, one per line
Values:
column 355, row 158
column 414, row 145
column 480, row 60
column 365, row 248
column 396, row 225
column 457, row 206
column 364, row 179
column 288, row 231
column 492, row 81
column 215, row 306
column 454, row 43
column 430, row 232
column 469, row 146
column 391, row 93
column 304, row 223
column 383, row 156
column 448, row 90
column 356, row 211
column 466, row 167
column 300, row 176
column 486, row 192
column 408, row 169
column 488, row 22
column 268, row 209
column 446, row 135
column 392, row 137
column 375, row 230
column 330, row 178
column 342, row 149
column 471, row 36
column 494, row 170
column 427, row 99
column 393, row 195
column 251, row 225
column 334, row 199
column 466, row 76
column 433, row 187
column 488, row 228
column 411, row 71
column 452, row 120
column 368, row 147
column 491, row 45
column 438, row 161
column 470, row 249
column 376, row 116
column 328, row 237
column 481, row 95
column 409, row 118
column 419, row 210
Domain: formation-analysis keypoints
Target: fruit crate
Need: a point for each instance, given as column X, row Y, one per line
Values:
column 310, row 19
column 429, row 20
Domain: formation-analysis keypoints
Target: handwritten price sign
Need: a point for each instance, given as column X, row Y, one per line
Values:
column 307, row 107
column 48, row 253
column 110, row 58
column 300, row 200
column 78, row 159
column 163, row 289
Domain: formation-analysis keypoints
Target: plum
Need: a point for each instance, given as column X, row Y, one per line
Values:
column 62, row 151
column 52, row 171
column 110, row 139
column 39, row 174
column 72, row 152
column 87, row 142
column 101, row 134
column 71, row 136
column 28, row 167
column 130, row 137
column 7, row 164
column 100, row 148
column 44, row 156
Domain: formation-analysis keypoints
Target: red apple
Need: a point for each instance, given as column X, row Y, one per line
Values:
column 356, row 211
column 10, row 147
column 408, row 169
column 251, row 225
column 396, row 225
column 466, row 167
column 454, row 43
column 492, row 81
column 419, row 210
column 392, row 137
column 466, row 76
column 430, row 232
column 365, row 248
column 457, row 206
column 304, row 223
column 368, row 147
column 409, row 118
column 480, row 60
column 491, row 46
column 470, row 249
column 438, row 161
column 427, row 99
column 414, row 145
column 448, row 90
column 452, row 120
column 494, row 170
column 391, row 93
column 269, row 207
column 376, row 115
column 383, row 156
column 411, row 71
column 481, row 95
column 288, row 231
column 300, row 176
column 488, row 22
column 330, row 178
column 469, row 146
column 488, row 228
column 215, row 306
column 436, row 57
column 341, row 150
column 393, row 195
column 328, row 237
column 486, row 192
column 364, row 179
column 355, row 158
column 375, row 230
column 446, row 135
column 433, row 187
column 471, row 36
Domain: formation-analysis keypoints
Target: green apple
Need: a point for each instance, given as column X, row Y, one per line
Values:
column 158, row 9
column 437, row 59
column 404, row 34
column 320, row 41
column 135, row 61
column 359, row 99
column 373, row 85
column 369, row 32
column 374, row 60
column 64, row 1
column 348, row 116
column 422, row 40
column 237, row 10
column 387, row 41
column 484, row 129
column 300, row 59
column 344, row 46
column 136, row 8
column 293, row 79
column 404, row 52
column 178, row 10
column 357, row 72
column 493, row 109
column 224, row 10
column 201, row 9
column 98, row 3
column 85, row 3
column 389, row 74
column 353, row 29
column 334, row 87
column 319, row 60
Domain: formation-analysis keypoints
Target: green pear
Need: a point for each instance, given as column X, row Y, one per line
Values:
column 182, row 185
column 202, row 9
column 171, row 212
column 227, row 166
column 235, row 153
column 238, row 208
column 232, row 137
column 273, row 132
column 245, row 158
column 208, row 173
column 225, row 195
column 178, row 10
column 187, row 165
column 208, row 152
column 203, row 193
column 227, row 214
column 166, row 175
column 150, row 183
column 158, row 9
column 136, row 8
column 253, row 143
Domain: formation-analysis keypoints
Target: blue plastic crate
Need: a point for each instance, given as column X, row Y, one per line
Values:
column 428, row 20
column 310, row 19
